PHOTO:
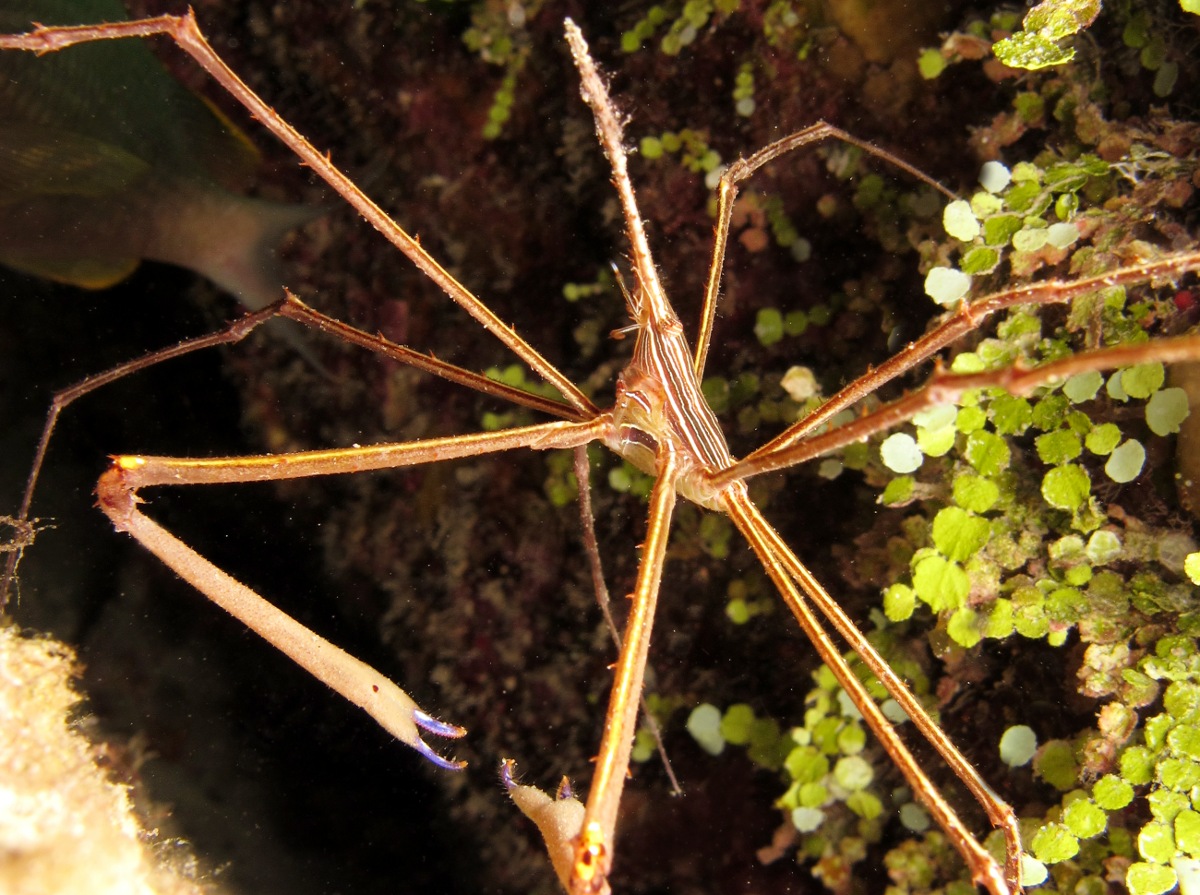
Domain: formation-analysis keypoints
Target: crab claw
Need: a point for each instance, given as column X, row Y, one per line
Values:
column 438, row 728
column 558, row 819
column 396, row 711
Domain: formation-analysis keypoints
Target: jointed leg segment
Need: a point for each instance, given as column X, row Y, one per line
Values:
column 394, row 709
column 355, row 680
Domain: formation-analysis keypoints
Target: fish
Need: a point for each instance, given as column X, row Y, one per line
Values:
column 106, row 160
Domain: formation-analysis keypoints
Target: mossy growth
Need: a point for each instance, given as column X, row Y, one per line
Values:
column 1050, row 36
column 498, row 35
column 836, row 800
column 1042, row 40
column 690, row 145
column 1045, row 517
column 680, row 23
column 518, row 377
column 1020, row 520
column 1163, row 768
column 1023, row 515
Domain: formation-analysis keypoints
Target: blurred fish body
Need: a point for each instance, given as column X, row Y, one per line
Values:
column 107, row 160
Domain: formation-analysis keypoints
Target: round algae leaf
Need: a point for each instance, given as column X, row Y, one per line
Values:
column 945, row 285
column 941, row 583
column 1143, row 380
column 852, row 739
column 975, row 493
column 959, row 534
column 1066, row 487
column 939, row 416
column 864, row 804
column 1103, row 547
column 898, row 492
column 853, row 773
column 965, row 627
column 931, row 63
column 704, row 724
column 1059, row 446
column 994, row 176
column 1137, row 765
column 736, row 724
column 768, row 326
column 1054, row 843
column 1191, row 567
column 1062, row 235
column 914, row 817
column 970, row 419
column 936, row 442
column 1103, row 439
column 651, row 147
column 1115, row 389
column 1083, row 386
column 806, row 764
column 893, row 711
column 738, row 611
column 1030, row 239
column 1033, row 871
column 1187, row 832
column 1055, row 763
column 1165, row 410
column 900, row 453
column 807, row 820
column 1189, row 874
column 1112, row 793
column 1149, row 879
column 1085, row 819
column 959, row 221
column 979, row 260
column 812, row 795
column 1017, row 746
column 1156, row 842
column 1126, row 462
column 987, row 452
column 899, row 602
column 800, row 383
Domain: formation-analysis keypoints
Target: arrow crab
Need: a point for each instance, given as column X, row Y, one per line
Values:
column 663, row 424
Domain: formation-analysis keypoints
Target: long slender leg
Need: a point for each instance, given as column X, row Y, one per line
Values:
column 364, row 686
column 727, row 191
column 294, row 309
column 591, row 547
column 234, row 332
column 947, row 387
column 782, row 566
column 290, row 307
column 134, row 472
column 394, row 709
column 965, row 319
column 594, row 852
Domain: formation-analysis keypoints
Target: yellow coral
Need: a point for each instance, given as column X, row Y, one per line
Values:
column 64, row 827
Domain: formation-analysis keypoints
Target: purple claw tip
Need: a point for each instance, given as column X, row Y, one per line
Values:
column 439, row 728
column 506, row 772
column 446, row 763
